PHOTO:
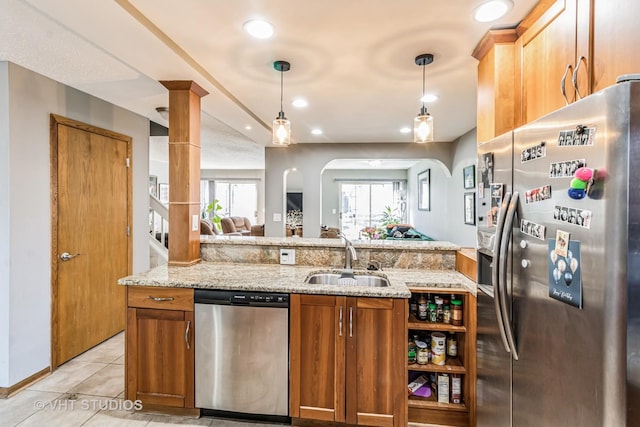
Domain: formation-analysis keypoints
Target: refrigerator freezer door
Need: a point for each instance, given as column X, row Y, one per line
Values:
column 494, row 367
column 571, row 370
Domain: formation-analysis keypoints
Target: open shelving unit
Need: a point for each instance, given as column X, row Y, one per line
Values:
column 429, row 410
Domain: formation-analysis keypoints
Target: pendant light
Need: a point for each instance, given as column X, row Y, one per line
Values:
column 281, row 125
column 423, row 123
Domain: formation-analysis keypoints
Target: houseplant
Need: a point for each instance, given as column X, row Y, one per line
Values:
column 212, row 211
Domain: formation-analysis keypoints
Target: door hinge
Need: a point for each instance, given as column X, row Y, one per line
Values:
column 128, row 162
column 128, row 230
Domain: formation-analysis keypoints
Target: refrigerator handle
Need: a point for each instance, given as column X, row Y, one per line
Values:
column 502, row 285
column 495, row 269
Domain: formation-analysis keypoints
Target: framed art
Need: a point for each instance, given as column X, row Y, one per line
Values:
column 469, row 176
column 424, row 190
column 470, row 208
column 153, row 185
column 163, row 192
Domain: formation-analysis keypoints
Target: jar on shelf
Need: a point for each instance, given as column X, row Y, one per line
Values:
column 438, row 348
column 456, row 312
column 422, row 308
column 422, row 356
column 433, row 315
column 446, row 310
column 439, row 309
column 452, row 345
column 411, row 353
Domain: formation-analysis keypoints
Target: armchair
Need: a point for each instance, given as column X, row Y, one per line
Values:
column 241, row 225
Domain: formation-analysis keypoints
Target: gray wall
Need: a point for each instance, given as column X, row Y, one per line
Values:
column 310, row 159
column 445, row 220
column 331, row 188
column 25, row 213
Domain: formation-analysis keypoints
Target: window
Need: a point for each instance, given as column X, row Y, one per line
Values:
column 237, row 198
column 363, row 204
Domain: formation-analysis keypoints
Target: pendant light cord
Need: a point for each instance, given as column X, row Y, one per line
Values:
column 281, row 89
column 422, row 99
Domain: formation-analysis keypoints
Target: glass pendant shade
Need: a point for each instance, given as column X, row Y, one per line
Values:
column 281, row 130
column 423, row 127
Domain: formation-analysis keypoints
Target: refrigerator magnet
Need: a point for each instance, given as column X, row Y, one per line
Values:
column 537, row 194
column 565, row 169
column 565, row 276
column 532, row 229
column 532, row 153
column 562, row 242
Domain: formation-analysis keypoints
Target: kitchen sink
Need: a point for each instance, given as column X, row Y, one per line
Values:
column 347, row 279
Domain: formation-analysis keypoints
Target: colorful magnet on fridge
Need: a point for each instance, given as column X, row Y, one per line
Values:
column 576, row 193
column 584, row 174
column 578, row 184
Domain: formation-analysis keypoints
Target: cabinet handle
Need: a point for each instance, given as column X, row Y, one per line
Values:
column 186, row 334
column 563, row 84
column 351, row 321
column 340, row 321
column 574, row 78
column 158, row 299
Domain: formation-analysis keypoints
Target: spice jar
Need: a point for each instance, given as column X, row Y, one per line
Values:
column 423, row 353
column 452, row 345
column 422, row 308
column 446, row 316
column 439, row 309
column 411, row 353
column 433, row 315
column 456, row 312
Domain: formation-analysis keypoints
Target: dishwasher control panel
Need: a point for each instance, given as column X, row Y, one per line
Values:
column 219, row 297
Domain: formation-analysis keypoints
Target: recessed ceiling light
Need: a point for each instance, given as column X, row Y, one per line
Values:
column 429, row 97
column 258, row 28
column 316, row 131
column 492, row 10
column 247, row 127
column 405, row 130
column 299, row 103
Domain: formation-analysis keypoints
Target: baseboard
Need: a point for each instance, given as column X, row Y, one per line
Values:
column 6, row 392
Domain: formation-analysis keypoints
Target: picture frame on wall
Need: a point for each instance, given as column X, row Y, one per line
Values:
column 424, row 190
column 163, row 192
column 470, row 208
column 153, row 185
column 469, row 177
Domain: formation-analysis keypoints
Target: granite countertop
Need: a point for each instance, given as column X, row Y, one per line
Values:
column 291, row 278
column 293, row 242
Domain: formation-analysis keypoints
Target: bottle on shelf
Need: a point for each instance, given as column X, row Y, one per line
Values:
column 439, row 309
column 446, row 310
column 433, row 315
column 452, row 345
column 413, row 306
column 456, row 388
column 411, row 353
column 456, row 312
column 422, row 308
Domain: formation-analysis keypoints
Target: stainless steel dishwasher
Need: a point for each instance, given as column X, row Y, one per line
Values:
column 242, row 354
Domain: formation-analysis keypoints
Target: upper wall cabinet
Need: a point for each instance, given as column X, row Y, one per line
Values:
column 616, row 38
column 496, row 83
column 554, row 59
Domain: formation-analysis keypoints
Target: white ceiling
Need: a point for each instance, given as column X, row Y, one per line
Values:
column 352, row 60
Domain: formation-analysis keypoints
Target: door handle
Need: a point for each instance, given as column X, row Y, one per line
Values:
column 340, row 322
column 495, row 270
column 66, row 256
column 563, row 84
column 574, row 78
column 504, row 248
column 351, row 321
column 186, row 334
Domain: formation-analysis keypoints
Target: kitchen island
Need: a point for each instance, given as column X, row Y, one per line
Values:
column 348, row 344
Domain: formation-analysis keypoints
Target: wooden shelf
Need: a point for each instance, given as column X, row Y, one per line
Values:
column 416, row 324
column 432, row 403
column 453, row 366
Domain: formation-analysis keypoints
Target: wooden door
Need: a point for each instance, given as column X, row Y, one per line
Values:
column 615, row 41
column 160, row 357
column 91, row 215
column 376, row 362
column 546, row 50
column 316, row 375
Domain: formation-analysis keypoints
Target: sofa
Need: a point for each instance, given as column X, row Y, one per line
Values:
column 241, row 225
column 208, row 227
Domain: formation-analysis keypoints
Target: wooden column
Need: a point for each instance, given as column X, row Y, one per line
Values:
column 184, row 171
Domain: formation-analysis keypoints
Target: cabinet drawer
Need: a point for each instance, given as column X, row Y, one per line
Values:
column 162, row 298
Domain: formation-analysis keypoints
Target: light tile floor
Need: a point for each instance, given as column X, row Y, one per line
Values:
column 88, row 391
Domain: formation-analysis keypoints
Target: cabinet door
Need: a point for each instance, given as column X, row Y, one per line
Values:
column 546, row 49
column 318, row 327
column 160, row 357
column 376, row 361
column 615, row 41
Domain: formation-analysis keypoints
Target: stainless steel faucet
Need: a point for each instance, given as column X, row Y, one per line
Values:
column 349, row 252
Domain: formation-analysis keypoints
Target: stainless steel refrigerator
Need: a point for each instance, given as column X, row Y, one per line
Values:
column 558, row 212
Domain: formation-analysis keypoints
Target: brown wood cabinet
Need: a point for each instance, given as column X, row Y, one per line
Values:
column 159, row 347
column 348, row 360
column 429, row 410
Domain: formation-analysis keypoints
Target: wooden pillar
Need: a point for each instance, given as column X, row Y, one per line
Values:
column 184, row 171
